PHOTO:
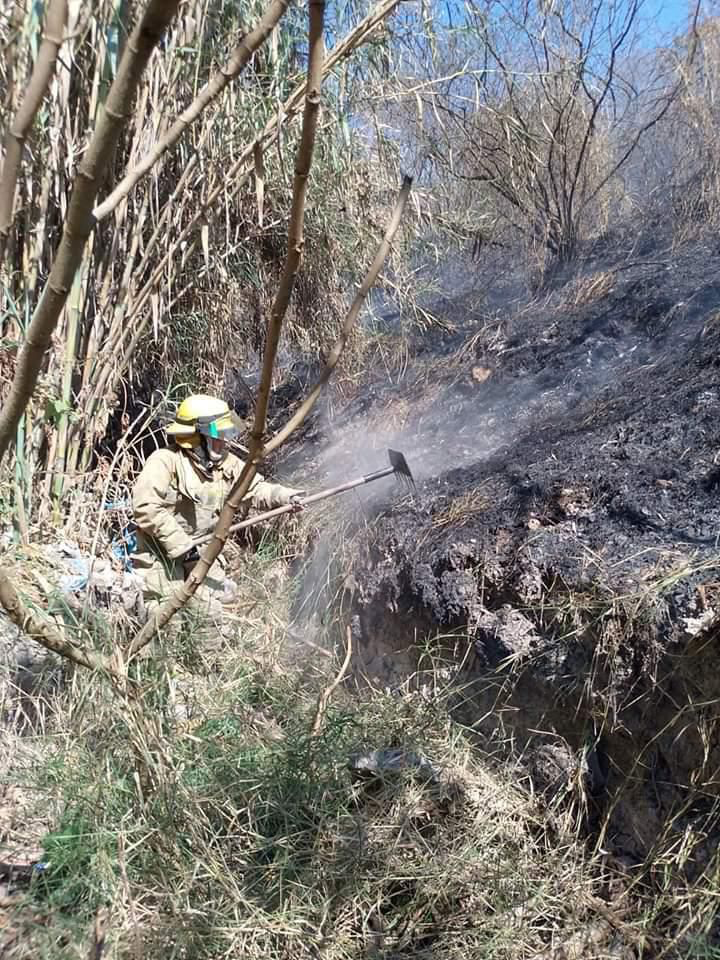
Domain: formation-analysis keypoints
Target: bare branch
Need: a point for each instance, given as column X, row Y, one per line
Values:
column 598, row 101
column 545, row 136
column 656, row 118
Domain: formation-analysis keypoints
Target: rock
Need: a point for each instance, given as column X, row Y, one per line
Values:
column 391, row 763
column 504, row 633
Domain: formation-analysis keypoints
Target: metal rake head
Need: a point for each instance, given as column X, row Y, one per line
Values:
column 401, row 468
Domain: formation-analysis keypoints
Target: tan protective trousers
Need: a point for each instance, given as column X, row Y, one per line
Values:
column 202, row 615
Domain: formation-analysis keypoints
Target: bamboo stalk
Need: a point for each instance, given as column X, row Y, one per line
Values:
column 73, row 312
column 98, row 331
column 21, row 513
column 244, row 166
column 40, row 234
column 79, row 222
column 239, row 58
column 21, row 475
column 241, row 486
column 13, row 55
column 121, row 321
column 23, row 436
column 39, row 82
column 46, row 633
column 47, row 481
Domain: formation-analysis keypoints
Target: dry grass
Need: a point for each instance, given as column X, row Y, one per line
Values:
column 462, row 509
column 212, row 823
column 591, row 289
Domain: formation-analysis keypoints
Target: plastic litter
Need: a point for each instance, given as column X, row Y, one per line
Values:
column 70, row 557
column 123, row 504
column 124, row 545
column 391, row 762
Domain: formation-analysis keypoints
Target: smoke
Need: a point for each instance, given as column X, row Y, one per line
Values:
column 449, row 426
column 459, row 424
column 548, row 367
column 535, row 361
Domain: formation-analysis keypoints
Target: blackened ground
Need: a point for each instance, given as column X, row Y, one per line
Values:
column 562, row 557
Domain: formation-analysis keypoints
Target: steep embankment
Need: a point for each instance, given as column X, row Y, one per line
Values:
column 562, row 556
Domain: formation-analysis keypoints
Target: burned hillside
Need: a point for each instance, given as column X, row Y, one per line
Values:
column 560, row 561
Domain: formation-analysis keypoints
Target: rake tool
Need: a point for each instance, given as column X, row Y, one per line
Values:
column 398, row 466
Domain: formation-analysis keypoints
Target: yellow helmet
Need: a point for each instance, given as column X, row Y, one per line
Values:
column 200, row 415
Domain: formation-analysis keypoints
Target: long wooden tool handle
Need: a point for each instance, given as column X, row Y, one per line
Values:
column 313, row 498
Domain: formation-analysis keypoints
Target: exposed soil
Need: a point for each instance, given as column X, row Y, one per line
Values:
column 564, row 543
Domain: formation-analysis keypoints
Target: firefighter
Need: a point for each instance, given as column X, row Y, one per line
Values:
column 178, row 496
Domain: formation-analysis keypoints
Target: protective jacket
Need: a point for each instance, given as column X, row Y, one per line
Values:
column 174, row 501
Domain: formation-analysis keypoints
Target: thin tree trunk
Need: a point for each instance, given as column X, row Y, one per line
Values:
column 17, row 134
column 294, row 254
column 80, row 222
column 73, row 315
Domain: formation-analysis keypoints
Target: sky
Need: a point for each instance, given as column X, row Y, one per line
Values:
column 661, row 19
column 667, row 16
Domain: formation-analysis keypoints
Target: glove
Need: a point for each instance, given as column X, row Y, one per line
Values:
column 189, row 560
column 296, row 503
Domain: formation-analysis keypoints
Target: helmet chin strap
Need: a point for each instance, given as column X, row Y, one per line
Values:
column 201, row 455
